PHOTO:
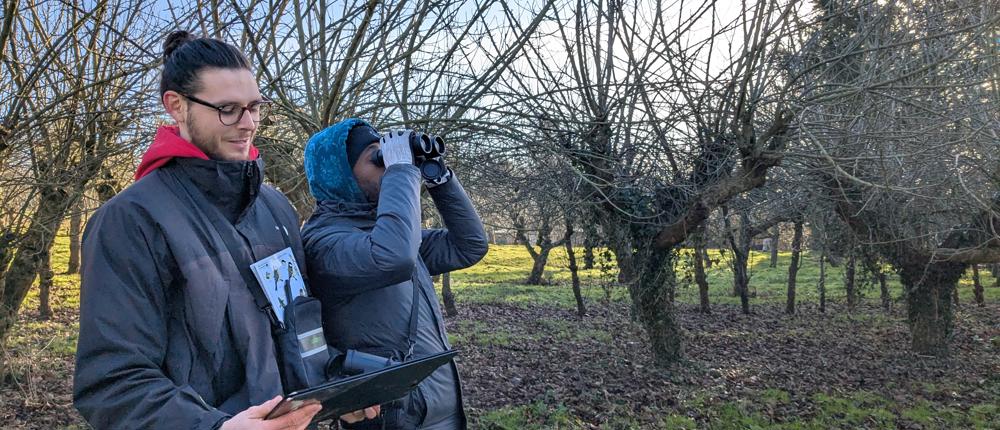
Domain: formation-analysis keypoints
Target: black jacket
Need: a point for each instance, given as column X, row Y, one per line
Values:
column 170, row 336
column 367, row 263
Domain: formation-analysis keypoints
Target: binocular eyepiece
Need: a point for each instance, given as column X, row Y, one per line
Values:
column 428, row 155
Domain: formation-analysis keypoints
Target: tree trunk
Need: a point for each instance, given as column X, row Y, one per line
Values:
column 741, row 278
column 538, row 267
column 849, row 281
column 624, row 255
column 978, row 286
column 775, row 236
column 708, row 261
column 581, row 310
column 741, row 258
column 32, row 248
column 699, row 274
column 793, row 268
column 7, row 240
column 44, row 286
column 447, row 295
column 541, row 257
column 626, row 267
column 589, row 243
column 884, row 291
column 822, row 281
column 588, row 257
column 75, row 223
column 929, row 290
column 954, row 296
column 873, row 265
column 650, row 296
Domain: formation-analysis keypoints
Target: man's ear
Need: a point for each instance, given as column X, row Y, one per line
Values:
column 176, row 106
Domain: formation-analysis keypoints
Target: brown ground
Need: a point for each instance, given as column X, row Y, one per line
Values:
column 598, row 368
column 732, row 358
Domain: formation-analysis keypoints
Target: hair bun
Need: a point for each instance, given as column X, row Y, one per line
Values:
column 175, row 40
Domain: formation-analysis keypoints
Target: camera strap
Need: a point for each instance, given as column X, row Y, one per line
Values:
column 412, row 329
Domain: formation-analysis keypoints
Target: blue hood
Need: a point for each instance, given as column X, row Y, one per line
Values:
column 329, row 174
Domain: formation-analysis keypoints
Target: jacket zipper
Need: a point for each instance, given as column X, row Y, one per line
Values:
column 250, row 169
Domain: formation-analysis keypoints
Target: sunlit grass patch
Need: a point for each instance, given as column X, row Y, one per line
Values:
column 49, row 337
column 500, row 276
column 679, row 422
column 846, row 410
column 861, row 408
column 538, row 415
column 556, row 295
column 479, row 333
column 65, row 293
column 512, row 264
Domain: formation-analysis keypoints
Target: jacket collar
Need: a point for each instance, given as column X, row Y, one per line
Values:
column 339, row 208
column 232, row 186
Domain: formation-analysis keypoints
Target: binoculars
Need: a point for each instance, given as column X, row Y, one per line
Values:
column 428, row 155
column 355, row 362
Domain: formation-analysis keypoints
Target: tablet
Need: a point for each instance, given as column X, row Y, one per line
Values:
column 360, row 391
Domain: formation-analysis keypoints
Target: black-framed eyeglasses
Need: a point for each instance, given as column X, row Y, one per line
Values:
column 232, row 113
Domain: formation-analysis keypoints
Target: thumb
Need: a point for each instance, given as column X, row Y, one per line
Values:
column 260, row 411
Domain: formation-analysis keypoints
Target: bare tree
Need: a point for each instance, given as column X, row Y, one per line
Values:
column 424, row 65
column 72, row 85
column 659, row 134
column 873, row 266
column 753, row 218
column 850, row 280
column 544, row 216
column 908, row 152
column 775, row 238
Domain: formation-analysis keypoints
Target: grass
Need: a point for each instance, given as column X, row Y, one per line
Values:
column 538, row 415
column 499, row 278
column 65, row 293
column 56, row 337
column 849, row 410
column 480, row 333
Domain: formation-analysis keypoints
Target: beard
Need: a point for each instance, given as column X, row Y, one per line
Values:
column 200, row 140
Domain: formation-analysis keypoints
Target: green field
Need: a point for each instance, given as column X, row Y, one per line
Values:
column 499, row 278
column 40, row 353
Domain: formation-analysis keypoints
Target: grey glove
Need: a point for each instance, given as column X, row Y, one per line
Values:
column 395, row 146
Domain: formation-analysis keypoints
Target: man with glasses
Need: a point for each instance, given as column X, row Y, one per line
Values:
column 170, row 334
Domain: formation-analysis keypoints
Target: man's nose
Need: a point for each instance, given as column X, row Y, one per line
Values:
column 246, row 122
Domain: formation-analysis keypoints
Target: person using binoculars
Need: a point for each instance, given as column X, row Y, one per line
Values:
column 371, row 263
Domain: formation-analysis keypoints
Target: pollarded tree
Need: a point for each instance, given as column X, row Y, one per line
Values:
column 658, row 134
column 909, row 157
column 73, row 84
